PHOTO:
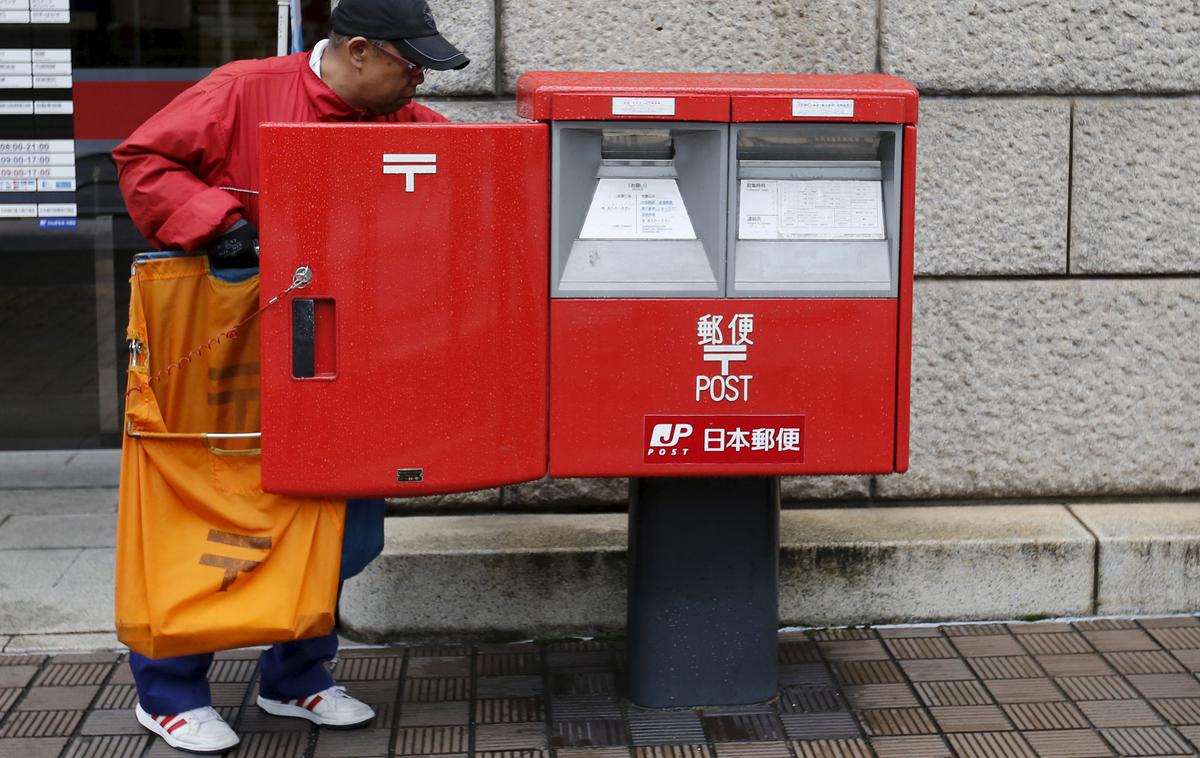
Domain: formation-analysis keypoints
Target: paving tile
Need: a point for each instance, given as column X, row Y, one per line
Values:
column 832, row 749
column 1121, row 640
column 522, row 736
column 1073, row 743
column 356, row 668
column 255, row 719
column 806, row 674
column 889, row 722
column 453, row 713
column 1045, row 716
column 41, row 724
column 358, row 743
column 1104, row 625
column 670, row 751
column 569, row 683
column 1024, row 691
column 60, row 531
column 421, row 651
column 1176, row 638
column 799, row 652
column 945, row 669
column 994, row 645
column 853, row 650
column 1007, row 667
column 507, row 686
column 8, row 696
column 1041, row 627
column 522, row 663
column 743, row 728
column 511, row 754
column 374, row 692
column 268, row 745
column 120, row 721
column 1191, row 734
column 22, row 660
column 1055, row 644
column 809, row 700
column 1168, row 622
column 990, row 745
column 72, row 674
column 574, row 752
column 894, row 632
column 970, row 718
column 34, row 568
column 1115, row 713
column 16, row 676
column 826, row 635
column 973, row 630
column 458, row 665
column 510, row 710
column 1145, row 662
column 228, row 693
column 921, row 647
column 437, row 690
column 867, row 672
column 107, row 746
column 1179, row 711
column 1165, row 685
column 1146, row 741
column 594, row 660
column 833, row 725
column 868, row 696
column 665, row 728
column 32, row 748
column 431, row 740
column 952, row 693
column 117, row 696
column 1095, row 687
column 750, row 750
column 922, row 746
column 574, row 707
column 234, row 670
column 588, row 733
column 1080, row 664
column 1190, row 659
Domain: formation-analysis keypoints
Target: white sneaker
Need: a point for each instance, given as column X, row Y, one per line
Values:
column 200, row 730
column 330, row 707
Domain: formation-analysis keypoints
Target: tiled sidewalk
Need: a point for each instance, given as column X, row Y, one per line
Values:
column 1091, row 688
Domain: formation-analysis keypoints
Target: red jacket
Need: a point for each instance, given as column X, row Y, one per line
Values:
column 172, row 167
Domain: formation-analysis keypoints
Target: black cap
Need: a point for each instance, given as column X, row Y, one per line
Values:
column 407, row 24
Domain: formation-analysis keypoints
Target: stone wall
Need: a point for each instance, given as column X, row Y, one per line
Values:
column 1057, row 309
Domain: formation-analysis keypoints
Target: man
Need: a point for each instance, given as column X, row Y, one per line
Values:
column 189, row 177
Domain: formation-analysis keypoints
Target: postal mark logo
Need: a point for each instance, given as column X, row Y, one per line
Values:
column 231, row 565
column 724, row 341
column 410, row 164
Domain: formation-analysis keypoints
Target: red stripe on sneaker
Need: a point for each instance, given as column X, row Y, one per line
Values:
column 171, row 729
column 162, row 720
column 313, row 703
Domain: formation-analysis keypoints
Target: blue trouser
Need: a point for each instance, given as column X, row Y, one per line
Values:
column 286, row 671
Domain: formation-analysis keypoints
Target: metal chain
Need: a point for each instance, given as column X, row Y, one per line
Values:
column 300, row 279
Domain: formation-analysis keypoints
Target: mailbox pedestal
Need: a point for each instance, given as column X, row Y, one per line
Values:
column 703, row 591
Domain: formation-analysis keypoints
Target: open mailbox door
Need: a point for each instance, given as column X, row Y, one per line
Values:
column 416, row 360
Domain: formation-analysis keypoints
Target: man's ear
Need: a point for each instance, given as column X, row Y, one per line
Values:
column 357, row 49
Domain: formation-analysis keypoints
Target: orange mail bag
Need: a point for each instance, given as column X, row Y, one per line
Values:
column 206, row 560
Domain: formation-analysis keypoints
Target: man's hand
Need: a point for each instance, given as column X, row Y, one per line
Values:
column 236, row 248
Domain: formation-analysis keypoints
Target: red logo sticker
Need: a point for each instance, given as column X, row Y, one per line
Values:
column 724, row 439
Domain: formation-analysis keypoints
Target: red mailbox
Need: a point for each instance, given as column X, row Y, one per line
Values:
column 672, row 275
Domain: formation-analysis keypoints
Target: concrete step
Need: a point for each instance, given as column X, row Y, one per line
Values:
column 537, row 575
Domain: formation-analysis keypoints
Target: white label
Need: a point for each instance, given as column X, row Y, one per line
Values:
column 15, row 55
column 57, row 210
column 18, row 185
column 54, row 107
column 50, row 17
column 822, row 108
column 14, row 17
column 38, row 146
column 9, row 69
column 16, row 82
column 56, row 185
column 643, row 106
column 50, row 5
column 14, row 5
column 37, row 172
column 51, row 82
column 816, row 209
column 637, row 209
column 50, row 69
column 22, row 210
column 16, row 107
column 37, row 159
column 51, row 55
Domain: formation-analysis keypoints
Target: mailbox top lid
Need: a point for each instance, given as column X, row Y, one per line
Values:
column 582, row 95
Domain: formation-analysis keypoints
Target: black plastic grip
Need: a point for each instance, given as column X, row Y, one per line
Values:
column 304, row 319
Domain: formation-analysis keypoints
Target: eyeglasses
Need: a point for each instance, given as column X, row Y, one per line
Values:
column 409, row 66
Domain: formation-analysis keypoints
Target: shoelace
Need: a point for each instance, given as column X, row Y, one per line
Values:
column 200, row 715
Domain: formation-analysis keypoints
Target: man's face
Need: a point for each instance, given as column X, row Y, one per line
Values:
column 390, row 81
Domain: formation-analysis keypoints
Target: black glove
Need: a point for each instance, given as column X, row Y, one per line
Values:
column 236, row 248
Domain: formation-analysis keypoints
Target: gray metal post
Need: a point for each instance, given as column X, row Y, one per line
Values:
column 703, row 591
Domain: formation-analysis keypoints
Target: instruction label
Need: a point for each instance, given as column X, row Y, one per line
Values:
column 810, row 209
column 637, row 209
